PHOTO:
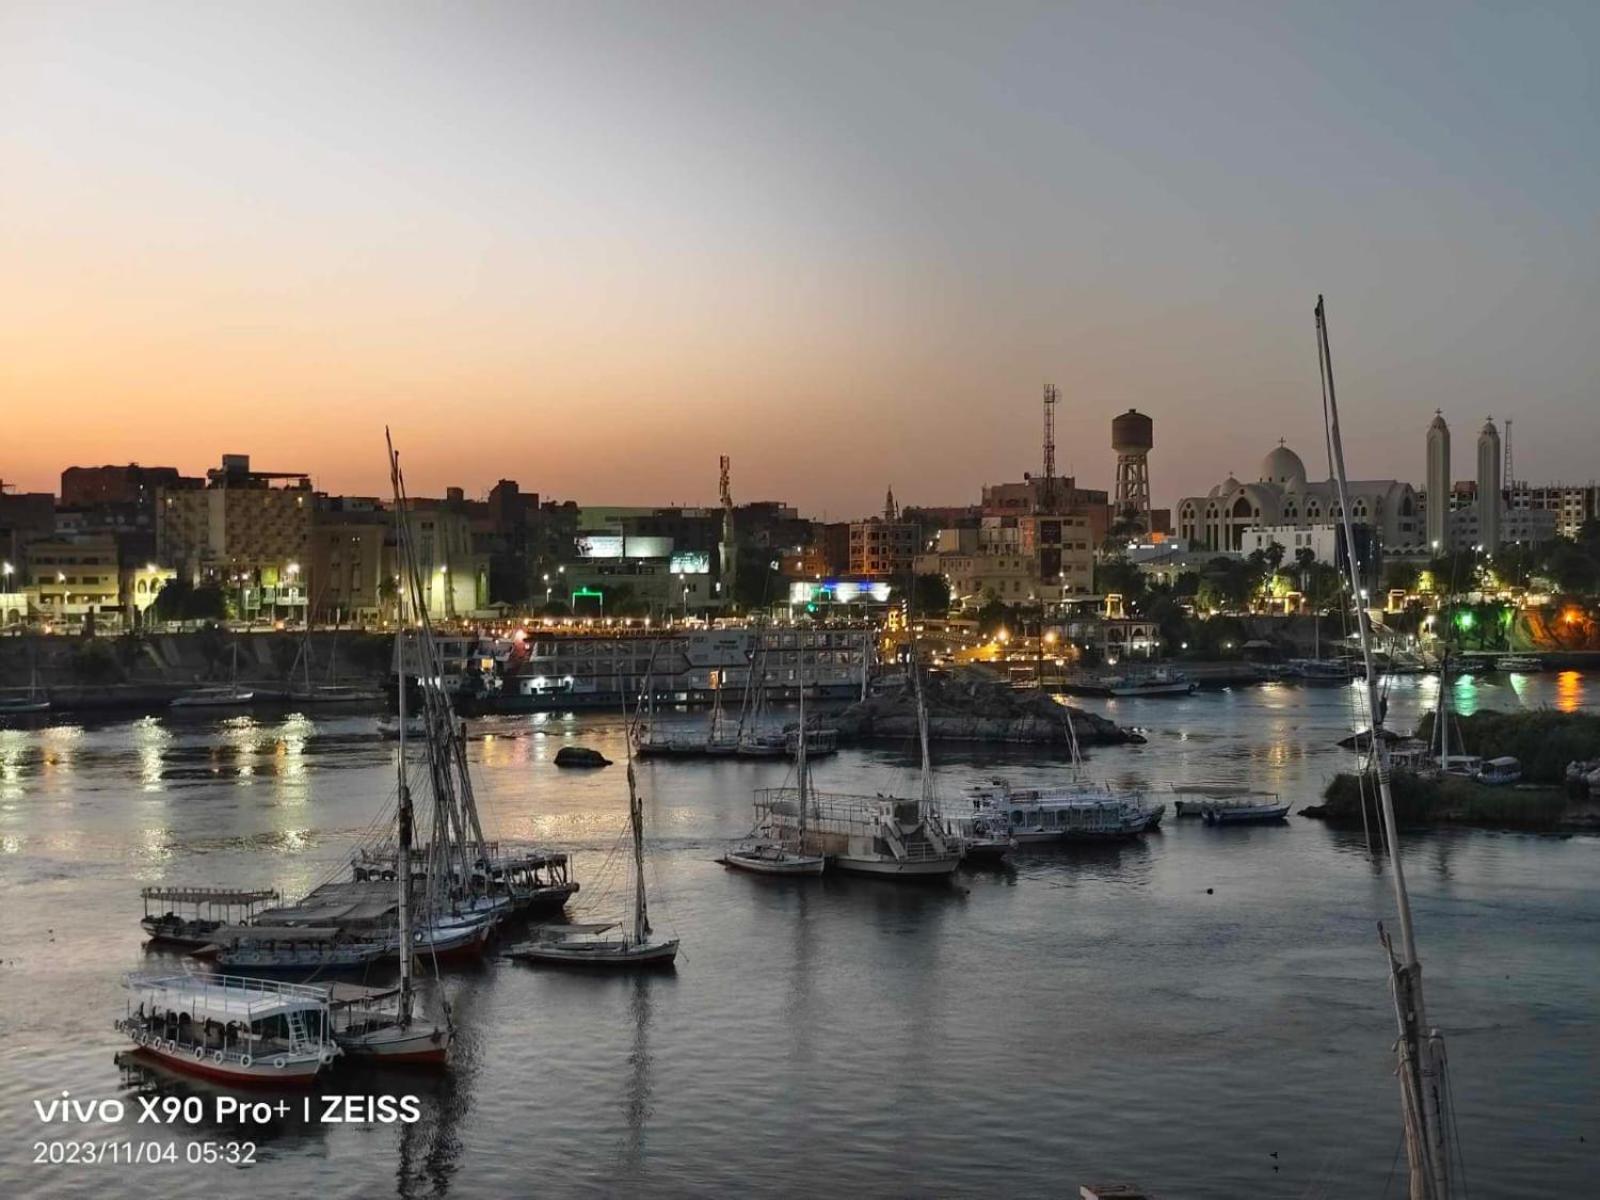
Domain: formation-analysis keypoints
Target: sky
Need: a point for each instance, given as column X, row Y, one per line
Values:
column 593, row 246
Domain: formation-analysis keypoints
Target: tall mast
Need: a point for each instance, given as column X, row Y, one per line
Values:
column 800, row 755
column 403, row 803
column 922, row 736
column 641, row 917
column 1420, row 1076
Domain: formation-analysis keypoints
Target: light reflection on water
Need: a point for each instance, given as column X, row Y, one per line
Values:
column 1169, row 1011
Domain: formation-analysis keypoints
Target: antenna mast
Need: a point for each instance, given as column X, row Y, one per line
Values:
column 728, row 550
column 1511, row 479
column 1050, row 397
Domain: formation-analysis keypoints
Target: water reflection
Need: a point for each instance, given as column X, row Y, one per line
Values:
column 1569, row 691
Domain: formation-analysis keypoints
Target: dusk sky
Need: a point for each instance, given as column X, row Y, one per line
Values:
column 593, row 246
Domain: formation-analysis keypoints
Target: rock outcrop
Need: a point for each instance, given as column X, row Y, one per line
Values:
column 968, row 707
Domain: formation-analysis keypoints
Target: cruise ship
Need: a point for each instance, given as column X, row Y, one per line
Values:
column 604, row 668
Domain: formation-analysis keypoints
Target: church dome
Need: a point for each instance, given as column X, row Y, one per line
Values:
column 1283, row 467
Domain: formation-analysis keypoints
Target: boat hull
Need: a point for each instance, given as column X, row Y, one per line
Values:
column 297, row 1071
column 794, row 865
column 652, row 954
column 395, row 1046
column 894, row 868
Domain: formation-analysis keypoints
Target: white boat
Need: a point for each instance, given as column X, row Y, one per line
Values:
column 231, row 1029
column 1159, row 681
column 1073, row 812
column 594, row 944
column 868, row 835
column 984, row 836
column 228, row 696
column 1226, row 804
column 198, row 913
column 1497, row 772
column 376, row 1024
column 390, row 728
column 1245, row 811
column 767, row 853
column 1521, row 664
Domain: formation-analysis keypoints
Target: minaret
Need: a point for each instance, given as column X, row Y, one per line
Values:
column 1438, row 498
column 1489, row 498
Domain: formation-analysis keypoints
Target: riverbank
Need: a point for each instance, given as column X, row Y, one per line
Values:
column 1430, row 803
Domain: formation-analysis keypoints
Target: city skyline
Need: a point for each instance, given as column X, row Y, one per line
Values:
column 594, row 249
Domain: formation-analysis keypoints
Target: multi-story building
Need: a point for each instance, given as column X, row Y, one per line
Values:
column 880, row 548
column 23, row 517
column 1027, row 558
column 73, row 581
column 1528, row 526
column 130, row 486
column 248, row 531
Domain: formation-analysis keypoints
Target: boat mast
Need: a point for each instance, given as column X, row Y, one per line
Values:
column 926, row 802
column 800, row 763
column 1420, row 1076
column 641, row 916
column 403, row 802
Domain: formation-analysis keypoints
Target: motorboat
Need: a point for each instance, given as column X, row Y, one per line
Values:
column 1520, row 664
column 230, row 1028
column 1073, row 812
column 1246, row 810
column 196, row 913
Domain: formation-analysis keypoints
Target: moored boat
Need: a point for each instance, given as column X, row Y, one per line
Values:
column 230, row 1028
column 1520, row 664
column 198, row 913
column 292, row 948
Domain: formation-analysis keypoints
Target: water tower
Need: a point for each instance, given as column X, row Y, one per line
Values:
column 1132, row 437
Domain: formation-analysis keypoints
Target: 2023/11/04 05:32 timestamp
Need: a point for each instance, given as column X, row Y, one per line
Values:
column 124, row 1151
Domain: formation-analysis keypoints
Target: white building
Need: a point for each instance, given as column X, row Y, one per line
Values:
column 1438, row 477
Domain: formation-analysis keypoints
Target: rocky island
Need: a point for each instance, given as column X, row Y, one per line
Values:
column 969, row 706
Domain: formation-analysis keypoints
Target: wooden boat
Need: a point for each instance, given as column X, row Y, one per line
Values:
column 292, row 948
column 764, row 853
column 231, row 1029
column 886, row 836
column 199, row 912
column 33, row 703
column 593, row 944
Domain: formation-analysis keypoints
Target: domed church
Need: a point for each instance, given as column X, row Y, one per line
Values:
column 1282, row 497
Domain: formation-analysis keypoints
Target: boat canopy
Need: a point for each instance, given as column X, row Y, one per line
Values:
column 227, row 997
column 341, row 995
column 207, row 895
column 275, row 933
column 1504, row 763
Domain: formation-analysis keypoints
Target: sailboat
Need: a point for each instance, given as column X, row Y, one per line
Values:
column 594, row 943
column 768, row 852
column 229, row 695
column 1420, row 1047
column 34, row 702
column 381, row 1024
column 870, row 835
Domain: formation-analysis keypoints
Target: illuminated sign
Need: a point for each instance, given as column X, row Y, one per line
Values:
column 838, row 591
column 689, row 562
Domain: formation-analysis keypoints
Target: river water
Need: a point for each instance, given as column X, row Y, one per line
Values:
column 1204, row 1012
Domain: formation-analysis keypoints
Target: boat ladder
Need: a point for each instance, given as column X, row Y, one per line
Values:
column 298, row 1037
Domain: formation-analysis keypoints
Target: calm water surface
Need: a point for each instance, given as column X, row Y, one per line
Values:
column 1172, row 1012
